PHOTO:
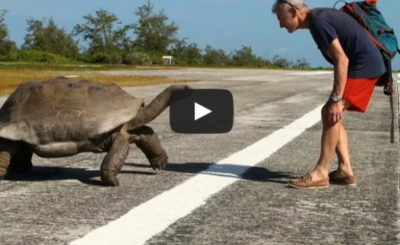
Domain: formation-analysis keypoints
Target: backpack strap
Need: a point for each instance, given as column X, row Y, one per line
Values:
column 346, row 3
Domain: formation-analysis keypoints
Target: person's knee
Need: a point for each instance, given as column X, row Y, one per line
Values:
column 325, row 113
column 325, row 116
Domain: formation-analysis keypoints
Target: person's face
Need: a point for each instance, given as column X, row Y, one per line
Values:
column 287, row 19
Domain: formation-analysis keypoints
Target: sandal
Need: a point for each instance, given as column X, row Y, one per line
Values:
column 306, row 182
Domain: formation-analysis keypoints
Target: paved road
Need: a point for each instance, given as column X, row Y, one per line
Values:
column 221, row 189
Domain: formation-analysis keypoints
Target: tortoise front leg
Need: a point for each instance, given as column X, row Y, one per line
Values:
column 21, row 162
column 151, row 146
column 7, row 150
column 5, row 157
column 114, row 160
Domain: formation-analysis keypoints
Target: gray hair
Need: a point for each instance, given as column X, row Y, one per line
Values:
column 287, row 5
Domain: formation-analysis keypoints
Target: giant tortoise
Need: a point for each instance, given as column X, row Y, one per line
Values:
column 60, row 117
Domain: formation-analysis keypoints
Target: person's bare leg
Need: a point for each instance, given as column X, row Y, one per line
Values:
column 329, row 141
column 342, row 152
column 331, row 136
column 334, row 140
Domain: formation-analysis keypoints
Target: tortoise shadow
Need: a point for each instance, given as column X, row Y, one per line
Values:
column 53, row 173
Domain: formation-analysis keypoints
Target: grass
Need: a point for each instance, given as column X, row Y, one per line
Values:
column 11, row 78
column 78, row 67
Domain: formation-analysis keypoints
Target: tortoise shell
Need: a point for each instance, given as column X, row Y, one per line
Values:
column 63, row 110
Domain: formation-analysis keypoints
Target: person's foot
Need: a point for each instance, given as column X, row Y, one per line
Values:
column 345, row 169
column 310, row 181
column 340, row 177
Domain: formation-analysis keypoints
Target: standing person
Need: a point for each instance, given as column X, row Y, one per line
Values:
column 358, row 65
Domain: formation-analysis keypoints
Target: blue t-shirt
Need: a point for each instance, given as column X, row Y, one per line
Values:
column 327, row 24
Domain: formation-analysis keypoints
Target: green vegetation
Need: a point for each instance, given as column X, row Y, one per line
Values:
column 61, row 67
column 114, row 45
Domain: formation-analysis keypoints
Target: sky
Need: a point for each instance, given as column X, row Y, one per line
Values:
column 223, row 24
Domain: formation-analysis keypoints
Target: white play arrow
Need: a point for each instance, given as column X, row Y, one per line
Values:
column 200, row 111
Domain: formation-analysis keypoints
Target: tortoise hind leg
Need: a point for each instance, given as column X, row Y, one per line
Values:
column 22, row 161
column 7, row 150
column 114, row 160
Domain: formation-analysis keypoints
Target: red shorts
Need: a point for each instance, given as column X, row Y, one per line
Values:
column 358, row 92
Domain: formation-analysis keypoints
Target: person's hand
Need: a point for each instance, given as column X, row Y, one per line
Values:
column 335, row 112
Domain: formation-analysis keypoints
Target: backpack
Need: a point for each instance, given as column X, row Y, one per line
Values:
column 382, row 35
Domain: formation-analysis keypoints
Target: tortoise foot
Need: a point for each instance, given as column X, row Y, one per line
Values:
column 108, row 180
column 159, row 162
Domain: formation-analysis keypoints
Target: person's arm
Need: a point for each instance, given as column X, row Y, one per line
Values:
column 325, row 34
column 341, row 62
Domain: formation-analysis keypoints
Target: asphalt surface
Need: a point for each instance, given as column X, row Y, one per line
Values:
column 62, row 200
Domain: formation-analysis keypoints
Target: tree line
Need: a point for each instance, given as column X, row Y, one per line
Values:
column 110, row 41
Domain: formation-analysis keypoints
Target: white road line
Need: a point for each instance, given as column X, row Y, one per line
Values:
column 311, row 73
column 261, row 78
column 152, row 217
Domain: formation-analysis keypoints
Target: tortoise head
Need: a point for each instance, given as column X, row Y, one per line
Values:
column 159, row 104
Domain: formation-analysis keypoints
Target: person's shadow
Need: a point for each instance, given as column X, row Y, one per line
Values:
column 252, row 173
column 53, row 173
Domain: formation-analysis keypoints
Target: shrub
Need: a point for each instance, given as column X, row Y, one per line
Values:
column 35, row 56
column 137, row 58
column 99, row 58
column 114, row 58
